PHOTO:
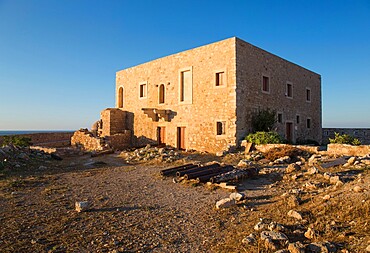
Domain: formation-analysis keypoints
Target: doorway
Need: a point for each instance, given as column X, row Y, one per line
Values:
column 289, row 132
column 181, row 137
column 161, row 136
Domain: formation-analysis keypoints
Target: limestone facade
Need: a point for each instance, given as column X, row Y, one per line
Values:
column 203, row 98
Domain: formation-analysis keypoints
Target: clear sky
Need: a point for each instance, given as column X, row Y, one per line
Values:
column 58, row 58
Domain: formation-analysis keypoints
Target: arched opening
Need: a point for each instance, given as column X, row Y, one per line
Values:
column 161, row 93
column 120, row 97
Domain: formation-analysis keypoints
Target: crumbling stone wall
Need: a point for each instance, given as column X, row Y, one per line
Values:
column 87, row 141
column 345, row 149
column 114, row 121
column 119, row 141
column 58, row 139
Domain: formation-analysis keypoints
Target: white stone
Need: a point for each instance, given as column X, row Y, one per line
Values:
column 224, row 203
column 236, row 196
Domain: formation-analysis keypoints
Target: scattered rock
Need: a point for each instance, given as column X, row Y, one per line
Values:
column 295, row 215
column 326, row 197
column 358, row 189
column 312, row 170
column 236, row 196
column 244, row 163
column 42, row 167
column 335, row 179
column 296, row 247
column 82, row 206
column 250, row 239
column 321, row 247
column 310, row 233
column 224, row 203
column 368, row 248
column 260, row 226
column 350, row 162
column 292, row 167
column 281, row 160
column 293, row 201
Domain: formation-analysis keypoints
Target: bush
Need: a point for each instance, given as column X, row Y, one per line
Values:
column 264, row 138
column 17, row 141
column 264, row 120
column 344, row 139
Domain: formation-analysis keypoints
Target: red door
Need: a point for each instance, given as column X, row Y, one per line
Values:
column 289, row 132
column 181, row 137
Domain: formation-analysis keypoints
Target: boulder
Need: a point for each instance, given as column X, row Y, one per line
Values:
column 321, row 247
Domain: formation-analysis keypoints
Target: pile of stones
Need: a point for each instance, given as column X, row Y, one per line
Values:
column 280, row 238
column 17, row 157
column 165, row 154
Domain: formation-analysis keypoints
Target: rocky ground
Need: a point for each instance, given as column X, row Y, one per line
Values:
column 299, row 202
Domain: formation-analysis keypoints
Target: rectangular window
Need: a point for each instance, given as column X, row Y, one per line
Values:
column 289, row 90
column 265, row 84
column 220, row 78
column 308, row 123
column 308, row 95
column 220, row 125
column 186, row 86
column 143, row 90
column 280, row 118
column 297, row 119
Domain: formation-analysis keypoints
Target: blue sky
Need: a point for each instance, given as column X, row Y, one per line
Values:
column 58, row 58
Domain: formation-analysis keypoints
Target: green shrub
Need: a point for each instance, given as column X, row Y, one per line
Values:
column 344, row 139
column 263, row 120
column 17, row 141
column 264, row 138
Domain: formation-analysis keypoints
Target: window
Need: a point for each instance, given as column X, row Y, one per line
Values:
column 289, row 90
column 161, row 93
column 186, row 86
column 265, row 84
column 120, row 97
column 308, row 123
column 280, row 117
column 220, row 125
column 308, row 95
column 297, row 119
column 143, row 90
column 220, row 78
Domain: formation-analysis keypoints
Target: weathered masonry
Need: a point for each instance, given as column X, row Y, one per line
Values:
column 204, row 98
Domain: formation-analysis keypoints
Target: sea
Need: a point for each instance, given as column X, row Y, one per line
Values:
column 10, row 132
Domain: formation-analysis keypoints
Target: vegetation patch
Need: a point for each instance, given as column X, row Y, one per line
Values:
column 344, row 139
column 19, row 141
column 259, row 138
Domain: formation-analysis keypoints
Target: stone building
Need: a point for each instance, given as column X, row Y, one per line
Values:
column 204, row 98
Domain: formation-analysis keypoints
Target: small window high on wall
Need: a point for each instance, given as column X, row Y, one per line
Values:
column 142, row 90
column 220, row 78
column 162, row 89
column 265, row 84
column 120, row 97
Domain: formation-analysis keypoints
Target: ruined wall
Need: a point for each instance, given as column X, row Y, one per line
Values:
column 86, row 140
column 57, row 139
column 114, row 121
column 252, row 63
column 349, row 150
column 363, row 134
column 199, row 113
column 120, row 141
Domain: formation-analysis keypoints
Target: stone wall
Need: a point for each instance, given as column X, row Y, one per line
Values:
column 349, row 150
column 83, row 138
column 114, row 121
column 363, row 134
column 253, row 63
column 120, row 141
column 58, row 139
